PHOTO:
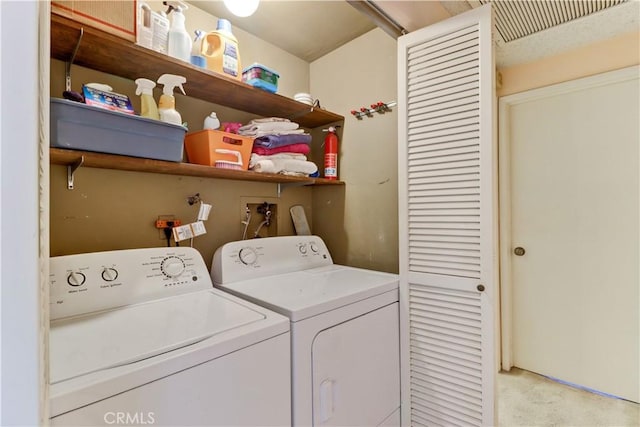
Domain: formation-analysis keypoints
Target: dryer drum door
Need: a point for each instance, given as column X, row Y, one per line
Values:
column 356, row 370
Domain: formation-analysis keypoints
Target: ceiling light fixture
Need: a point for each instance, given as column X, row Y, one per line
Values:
column 242, row 8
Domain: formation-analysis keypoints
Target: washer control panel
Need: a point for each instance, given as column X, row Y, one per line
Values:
column 90, row 282
column 249, row 259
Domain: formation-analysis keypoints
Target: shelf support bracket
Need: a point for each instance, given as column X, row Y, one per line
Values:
column 71, row 170
column 67, row 68
column 284, row 185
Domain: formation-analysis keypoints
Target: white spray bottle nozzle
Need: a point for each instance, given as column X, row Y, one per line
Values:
column 145, row 86
column 176, row 5
column 170, row 81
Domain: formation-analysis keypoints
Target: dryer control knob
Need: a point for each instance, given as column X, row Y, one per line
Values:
column 303, row 249
column 314, row 247
column 248, row 256
column 172, row 266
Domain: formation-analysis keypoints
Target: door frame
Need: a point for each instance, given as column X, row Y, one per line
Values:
column 504, row 182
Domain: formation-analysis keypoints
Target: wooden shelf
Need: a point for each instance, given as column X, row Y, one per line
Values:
column 61, row 156
column 105, row 52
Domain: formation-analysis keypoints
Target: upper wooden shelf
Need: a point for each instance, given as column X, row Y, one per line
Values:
column 105, row 52
column 61, row 156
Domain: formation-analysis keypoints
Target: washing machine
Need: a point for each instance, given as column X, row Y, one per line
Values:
column 345, row 367
column 141, row 337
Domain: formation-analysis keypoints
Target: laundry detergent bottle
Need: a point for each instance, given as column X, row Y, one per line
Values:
column 220, row 48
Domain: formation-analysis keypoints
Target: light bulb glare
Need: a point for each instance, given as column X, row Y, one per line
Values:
column 242, row 8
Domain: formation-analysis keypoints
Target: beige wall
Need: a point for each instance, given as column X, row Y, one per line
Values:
column 612, row 54
column 111, row 210
column 360, row 222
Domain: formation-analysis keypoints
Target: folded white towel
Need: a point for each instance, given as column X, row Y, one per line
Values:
column 269, row 119
column 268, row 126
column 285, row 166
column 259, row 133
column 255, row 158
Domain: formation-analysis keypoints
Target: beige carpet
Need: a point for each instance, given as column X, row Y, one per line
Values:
column 528, row 399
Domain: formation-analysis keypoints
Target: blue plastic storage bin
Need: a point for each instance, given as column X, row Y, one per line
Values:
column 257, row 75
column 79, row 126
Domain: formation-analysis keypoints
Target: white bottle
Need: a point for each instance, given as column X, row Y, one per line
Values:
column 179, row 45
column 167, row 104
column 211, row 122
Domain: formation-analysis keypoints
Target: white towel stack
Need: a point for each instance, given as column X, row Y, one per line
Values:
column 270, row 126
column 283, row 163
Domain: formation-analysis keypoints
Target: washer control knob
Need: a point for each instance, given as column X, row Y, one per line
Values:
column 248, row 256
column 314, row 247
column 75, row 278
column 172, row 266
column 109, row 274
column 303, row 249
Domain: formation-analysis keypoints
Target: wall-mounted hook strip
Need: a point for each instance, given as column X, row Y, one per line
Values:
column 67, row 70
column 379, row 107
column 71, row 170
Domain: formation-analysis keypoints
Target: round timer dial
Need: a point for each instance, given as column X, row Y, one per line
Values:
column 172, row 266
column 248, row 256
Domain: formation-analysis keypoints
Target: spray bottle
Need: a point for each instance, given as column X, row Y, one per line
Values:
column 148, row 108
column 167, row 105
column 331, row 153
column 196, row 57
column 179, row 44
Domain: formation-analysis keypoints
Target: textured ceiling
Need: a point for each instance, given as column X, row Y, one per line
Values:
column 526, row 30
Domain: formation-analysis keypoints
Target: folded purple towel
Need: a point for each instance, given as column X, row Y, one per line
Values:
column 274, row 141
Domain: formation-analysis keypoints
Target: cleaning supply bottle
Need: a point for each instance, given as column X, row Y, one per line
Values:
column 167, row 104
column 196, row 57
column 220, row 48
column 211, row 122
column 148, row 108
column 179, row 44
column 331, row 153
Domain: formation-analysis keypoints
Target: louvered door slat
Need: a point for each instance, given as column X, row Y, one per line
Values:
column 429, row 98
column 429, row 90
column 447, row 248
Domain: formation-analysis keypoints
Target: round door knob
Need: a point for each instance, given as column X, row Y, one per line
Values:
column 519, row 251
column 480, row 288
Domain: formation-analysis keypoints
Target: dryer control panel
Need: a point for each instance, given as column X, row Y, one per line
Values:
column 86, row 283
column 249, row 259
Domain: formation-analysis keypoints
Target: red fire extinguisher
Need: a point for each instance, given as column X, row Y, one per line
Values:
column 331, row 154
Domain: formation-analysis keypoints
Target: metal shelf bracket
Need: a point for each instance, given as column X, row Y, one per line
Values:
column 71, row 170
column 67, row 67
column 284, row 185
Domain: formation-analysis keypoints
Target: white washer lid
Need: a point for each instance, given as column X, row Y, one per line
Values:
column 307, row 293
column 83, row 344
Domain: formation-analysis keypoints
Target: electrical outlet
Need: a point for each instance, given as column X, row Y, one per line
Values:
column 166, row 221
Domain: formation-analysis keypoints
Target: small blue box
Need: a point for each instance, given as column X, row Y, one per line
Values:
column 257, row 75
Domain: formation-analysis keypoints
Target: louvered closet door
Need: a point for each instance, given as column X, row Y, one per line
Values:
column 447, row 221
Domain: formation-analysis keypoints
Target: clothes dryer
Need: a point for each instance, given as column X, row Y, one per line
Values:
column 344, row 326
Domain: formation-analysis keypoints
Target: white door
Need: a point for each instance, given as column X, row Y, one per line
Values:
column 447, row 219
column 356, row 370
column 574, row 206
